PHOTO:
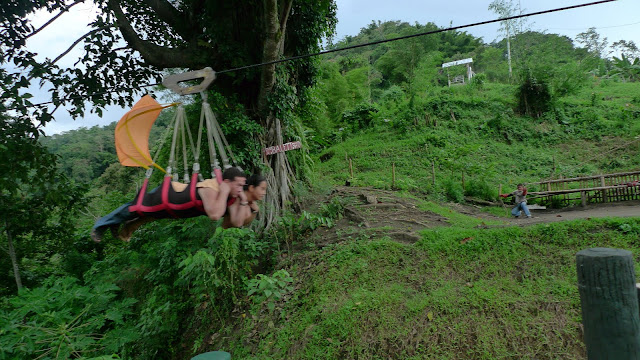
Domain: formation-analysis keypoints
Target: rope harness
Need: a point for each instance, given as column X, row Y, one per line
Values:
column 186, row 203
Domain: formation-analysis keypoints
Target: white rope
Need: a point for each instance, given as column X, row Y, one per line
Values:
column 164, row 139
column 211, row 119
column 206, row 108
column 224, row 141
column 186, row 176
column 172, row 155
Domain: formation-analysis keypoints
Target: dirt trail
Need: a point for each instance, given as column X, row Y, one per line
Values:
column 620, row 209
column 370, row 212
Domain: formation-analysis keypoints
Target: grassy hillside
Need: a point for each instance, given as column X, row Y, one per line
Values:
column 458, row 293
column 475, row 132
column 383, row 268
column 462, row 290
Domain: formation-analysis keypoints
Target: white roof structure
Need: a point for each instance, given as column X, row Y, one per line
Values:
column 457, row 62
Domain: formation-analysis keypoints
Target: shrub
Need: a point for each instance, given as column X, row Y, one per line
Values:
column 453, row 191
column 269, row 289
column 534, row 94
column 481, row 189
column 360, row 116
column 64, row 320
column 478, row 81
column 333, row 209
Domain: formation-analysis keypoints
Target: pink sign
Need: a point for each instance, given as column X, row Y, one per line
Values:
column 282, row 148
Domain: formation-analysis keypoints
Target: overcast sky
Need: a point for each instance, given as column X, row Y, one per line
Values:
column 619, row 20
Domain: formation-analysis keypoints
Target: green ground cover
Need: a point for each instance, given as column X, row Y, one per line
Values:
column 457, row 293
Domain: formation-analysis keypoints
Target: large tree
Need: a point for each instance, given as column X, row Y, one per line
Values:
column 38, row 203
column 131, row 42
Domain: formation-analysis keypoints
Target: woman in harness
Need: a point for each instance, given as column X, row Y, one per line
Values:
column 178, row 200
column 243, row 212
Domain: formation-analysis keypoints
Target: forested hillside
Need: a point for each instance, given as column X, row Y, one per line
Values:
column 324, row 280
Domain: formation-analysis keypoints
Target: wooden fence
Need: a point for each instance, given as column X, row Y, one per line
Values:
column 588, row 189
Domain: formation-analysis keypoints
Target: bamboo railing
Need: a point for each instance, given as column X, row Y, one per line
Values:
column 589, row 189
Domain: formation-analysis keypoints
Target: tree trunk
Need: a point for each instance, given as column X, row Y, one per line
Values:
column 14, row 259
column 609, row 299
column 281, row 177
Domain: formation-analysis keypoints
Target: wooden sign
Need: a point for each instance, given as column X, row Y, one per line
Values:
column 282, row 148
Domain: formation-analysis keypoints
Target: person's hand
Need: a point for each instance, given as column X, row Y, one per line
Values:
column 242, row 197
column 524, row 191
column 504, row 195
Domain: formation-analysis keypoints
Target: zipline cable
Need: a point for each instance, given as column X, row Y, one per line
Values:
column 343, row 49
column 416, row 35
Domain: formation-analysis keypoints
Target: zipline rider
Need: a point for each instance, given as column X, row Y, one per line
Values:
column 178, row 200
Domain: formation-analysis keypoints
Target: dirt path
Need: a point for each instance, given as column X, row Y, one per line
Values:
column 621, row 209
column 370, row 212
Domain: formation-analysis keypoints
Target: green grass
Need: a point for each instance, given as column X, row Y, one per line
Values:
column 504, row 212
column 490, row 144
column 462, row 291
column 455, row 218
column 457, row 293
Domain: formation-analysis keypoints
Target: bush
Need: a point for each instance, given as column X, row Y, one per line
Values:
column 534, row 95
column 64, row 320
column 359, row 117
column 481, row 189
column 269, row 289
column 453, row 191
column 478, row 81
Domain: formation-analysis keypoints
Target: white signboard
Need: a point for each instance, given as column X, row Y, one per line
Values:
column 457, row 62
column 282, row 148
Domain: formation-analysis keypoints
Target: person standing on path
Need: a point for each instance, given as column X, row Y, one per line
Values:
column 521, row 201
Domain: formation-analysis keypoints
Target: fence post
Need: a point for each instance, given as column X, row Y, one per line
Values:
column 604, row 191
column 393, row 176
column 609, row 300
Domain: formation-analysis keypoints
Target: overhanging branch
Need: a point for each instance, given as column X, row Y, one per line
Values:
column 66, row 9
column 79, row 40
column 156, row 55
column 177, row 20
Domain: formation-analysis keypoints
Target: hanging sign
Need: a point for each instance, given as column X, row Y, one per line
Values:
column 282, row 148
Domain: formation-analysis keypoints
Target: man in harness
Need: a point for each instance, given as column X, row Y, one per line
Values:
column 177, row 200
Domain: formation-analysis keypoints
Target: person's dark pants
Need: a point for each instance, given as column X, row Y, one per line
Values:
column 118, row 216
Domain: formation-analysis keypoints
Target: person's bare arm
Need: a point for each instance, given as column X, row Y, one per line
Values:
column 214, row 202
column 253, row 208
column 239, row 212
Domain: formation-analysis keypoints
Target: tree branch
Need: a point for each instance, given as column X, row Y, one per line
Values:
column 53, row 18
column 79, row 40
column 153, row 54
column 74, row 45
column 177, row 20
column 284, row 17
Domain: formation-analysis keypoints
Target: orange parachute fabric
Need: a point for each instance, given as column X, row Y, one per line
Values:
column 132, row 133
